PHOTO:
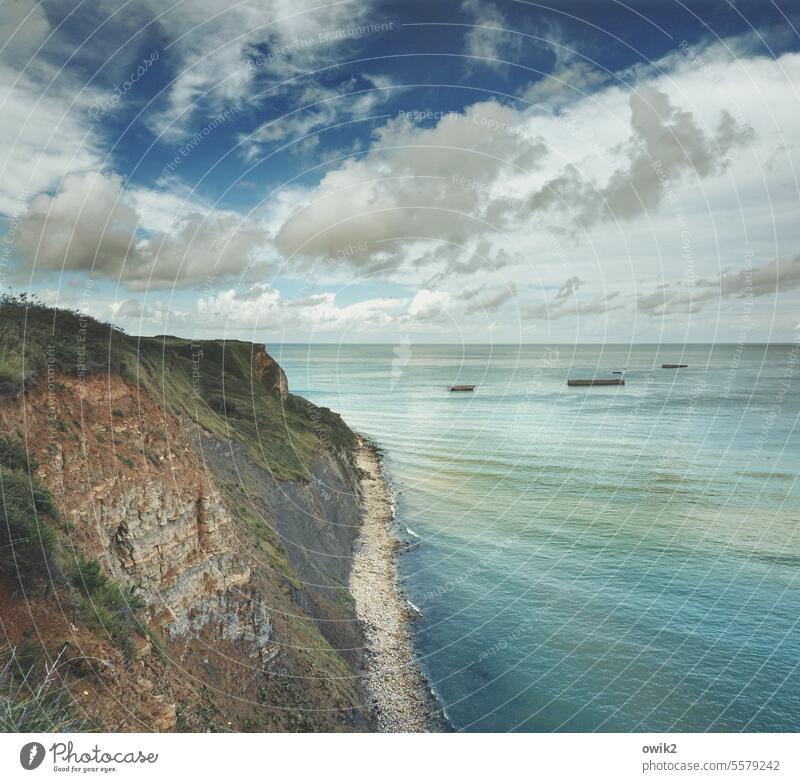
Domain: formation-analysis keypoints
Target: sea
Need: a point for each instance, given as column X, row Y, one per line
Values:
column 622, row 558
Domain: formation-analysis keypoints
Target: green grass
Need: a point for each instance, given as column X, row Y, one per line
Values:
column 27, row 536
column 104, row 605
column 34, row 553
column 212, row 381
column 34, row 701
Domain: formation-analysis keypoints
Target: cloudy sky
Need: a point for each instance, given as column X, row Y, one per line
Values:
column 382, row 171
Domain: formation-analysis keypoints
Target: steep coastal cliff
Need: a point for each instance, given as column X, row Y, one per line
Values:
column 179, row 532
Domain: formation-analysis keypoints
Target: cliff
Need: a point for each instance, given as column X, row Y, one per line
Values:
column 179, row 532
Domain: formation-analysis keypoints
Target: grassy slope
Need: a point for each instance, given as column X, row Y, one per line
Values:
column 211, row 381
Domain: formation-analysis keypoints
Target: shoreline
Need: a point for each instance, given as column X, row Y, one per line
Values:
column 396, row 690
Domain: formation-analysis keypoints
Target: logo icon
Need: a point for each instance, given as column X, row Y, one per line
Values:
column 31, row 755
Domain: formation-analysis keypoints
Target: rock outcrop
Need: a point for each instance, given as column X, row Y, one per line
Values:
column 240, row 573
column 270, row 373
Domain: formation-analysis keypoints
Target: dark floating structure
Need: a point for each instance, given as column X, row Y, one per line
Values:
column 617, row 372
column 598, row 381
column 673, row 366
column 461, row 388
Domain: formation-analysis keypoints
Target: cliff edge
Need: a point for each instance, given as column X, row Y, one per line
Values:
column 178, row 534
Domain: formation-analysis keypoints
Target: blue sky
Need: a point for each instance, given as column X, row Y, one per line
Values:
column 385, row 171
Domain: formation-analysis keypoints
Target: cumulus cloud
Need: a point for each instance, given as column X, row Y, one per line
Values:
column 315, row 106
column 493, row 169
column 415, row 184
column 23, row 28
column 46, row 131
column 571, row 81
column 566, row 303
column 221, row 51
column 666, row 143
column 488, row 299
column 489, row 39
column 776, row 276
column 91, row 224
column 668, row 299
column 428, row 306
column 262, row 306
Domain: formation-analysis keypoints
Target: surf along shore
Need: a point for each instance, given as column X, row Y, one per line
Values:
column 397, row 690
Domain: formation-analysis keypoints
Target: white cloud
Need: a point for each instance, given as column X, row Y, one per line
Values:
column 776, row 276
column 409, row 188
column 488, row 299
column 46, row 131
column 566, row 302
column 91, row 224
column 489, row 38
column 569, row 83
column 220, row 51
column 315, row 107
column 429, row 306
column 23, row 28
column 669, row 175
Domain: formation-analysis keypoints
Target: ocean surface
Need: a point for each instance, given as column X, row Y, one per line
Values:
column 590, row 559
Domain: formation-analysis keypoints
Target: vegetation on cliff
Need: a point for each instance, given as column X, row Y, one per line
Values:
column 217, row 383
column 169, row 496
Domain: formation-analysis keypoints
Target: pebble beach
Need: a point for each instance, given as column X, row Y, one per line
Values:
column 395, row 688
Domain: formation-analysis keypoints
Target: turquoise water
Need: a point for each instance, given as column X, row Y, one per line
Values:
column 603, row 559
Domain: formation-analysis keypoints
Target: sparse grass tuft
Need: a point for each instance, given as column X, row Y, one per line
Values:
column 104, row 604
column 27, row 539
column 30, row 703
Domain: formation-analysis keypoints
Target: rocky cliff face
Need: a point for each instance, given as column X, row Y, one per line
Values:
column 240, row 573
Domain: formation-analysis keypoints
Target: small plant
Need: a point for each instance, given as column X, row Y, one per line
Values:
column 14, row 456
column 30, row 704
column 103, row 604
column 152, row 457
column 27, row 540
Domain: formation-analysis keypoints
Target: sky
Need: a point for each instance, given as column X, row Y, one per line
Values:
column 367, row 171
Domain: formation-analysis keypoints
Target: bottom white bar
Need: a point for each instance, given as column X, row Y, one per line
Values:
column 330, row 758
